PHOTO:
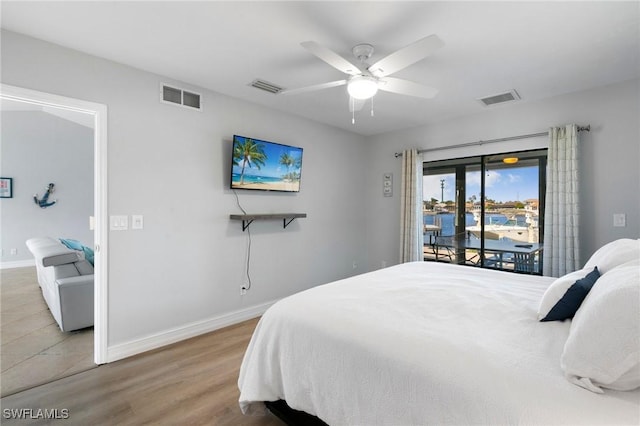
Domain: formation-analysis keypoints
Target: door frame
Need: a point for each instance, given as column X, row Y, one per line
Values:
column 100, row 234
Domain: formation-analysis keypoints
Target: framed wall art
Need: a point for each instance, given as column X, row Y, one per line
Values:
column 6, row 187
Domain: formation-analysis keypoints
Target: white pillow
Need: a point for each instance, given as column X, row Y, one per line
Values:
column 603, row 347
column 558, row 288
column 613, row 254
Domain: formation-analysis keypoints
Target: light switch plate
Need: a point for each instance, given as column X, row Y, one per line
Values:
column 118, row 223
column 619, row 220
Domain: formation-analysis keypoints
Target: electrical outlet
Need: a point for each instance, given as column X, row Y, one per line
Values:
column 14, row 251
column 355, row 264
column 383, row 264
column 619, row 220
column 243, row 290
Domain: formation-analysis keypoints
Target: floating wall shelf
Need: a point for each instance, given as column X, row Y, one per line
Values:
column 247, row 219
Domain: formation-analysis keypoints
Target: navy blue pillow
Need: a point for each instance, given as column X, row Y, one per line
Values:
column 568, row 305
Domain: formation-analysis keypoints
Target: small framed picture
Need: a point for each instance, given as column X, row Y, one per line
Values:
column 387, row 184
column 6, row 187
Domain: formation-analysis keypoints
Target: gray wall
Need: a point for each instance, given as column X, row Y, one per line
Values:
column 610, row 159
column 39, row 148
column 171, row 165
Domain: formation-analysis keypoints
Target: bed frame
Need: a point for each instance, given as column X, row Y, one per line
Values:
column 292, row 417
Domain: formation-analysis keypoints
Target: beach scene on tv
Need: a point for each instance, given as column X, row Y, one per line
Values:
column 265, row 165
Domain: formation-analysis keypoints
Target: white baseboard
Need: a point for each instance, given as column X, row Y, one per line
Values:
column 134, row 347
column 18, row 264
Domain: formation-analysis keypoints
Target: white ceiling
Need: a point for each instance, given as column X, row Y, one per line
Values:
column 541, row 49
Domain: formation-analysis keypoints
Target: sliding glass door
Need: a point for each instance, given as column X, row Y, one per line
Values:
column 446, row 213
column 486, row 211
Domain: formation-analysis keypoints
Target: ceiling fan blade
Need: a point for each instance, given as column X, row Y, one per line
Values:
column 406, row 87
column 355, row 104
column 331, row 57
column 406, row 56
column 313, row 88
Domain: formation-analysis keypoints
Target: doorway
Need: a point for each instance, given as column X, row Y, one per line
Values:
column 97, row 114
column 486, row 211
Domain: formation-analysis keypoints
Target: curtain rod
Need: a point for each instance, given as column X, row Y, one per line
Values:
column 586, row 128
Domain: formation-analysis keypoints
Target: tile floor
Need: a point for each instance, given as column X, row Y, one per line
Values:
column 33, row 350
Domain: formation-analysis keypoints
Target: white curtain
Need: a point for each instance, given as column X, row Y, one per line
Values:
column 562, row 218
column 411, row 207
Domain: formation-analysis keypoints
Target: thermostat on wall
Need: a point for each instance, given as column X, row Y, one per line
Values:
column 387, row 184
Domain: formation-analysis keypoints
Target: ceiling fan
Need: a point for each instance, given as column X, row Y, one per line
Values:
column 365, row 80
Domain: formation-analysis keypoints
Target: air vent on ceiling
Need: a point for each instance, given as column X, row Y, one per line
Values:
column 509, row 96
column 181, row 97
column 266, row 86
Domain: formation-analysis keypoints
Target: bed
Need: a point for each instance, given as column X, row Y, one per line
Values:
column 427, row 343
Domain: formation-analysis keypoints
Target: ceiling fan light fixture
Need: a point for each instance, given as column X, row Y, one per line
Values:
column 362, row 87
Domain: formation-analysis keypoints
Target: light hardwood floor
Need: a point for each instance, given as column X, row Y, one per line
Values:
column 33, row 350
column 193, row 382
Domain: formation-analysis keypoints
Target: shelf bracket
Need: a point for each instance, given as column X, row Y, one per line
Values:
column 246, row 223
column 247, row 219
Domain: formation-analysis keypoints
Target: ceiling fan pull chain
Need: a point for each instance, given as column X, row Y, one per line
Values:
column 353, row 110
column 372, row 106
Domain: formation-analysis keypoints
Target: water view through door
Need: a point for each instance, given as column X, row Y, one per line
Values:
column 485, row 211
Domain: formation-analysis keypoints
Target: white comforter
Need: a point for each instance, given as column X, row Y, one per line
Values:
column 422, row 344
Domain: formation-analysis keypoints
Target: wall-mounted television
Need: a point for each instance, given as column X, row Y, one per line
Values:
column 265, row 166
